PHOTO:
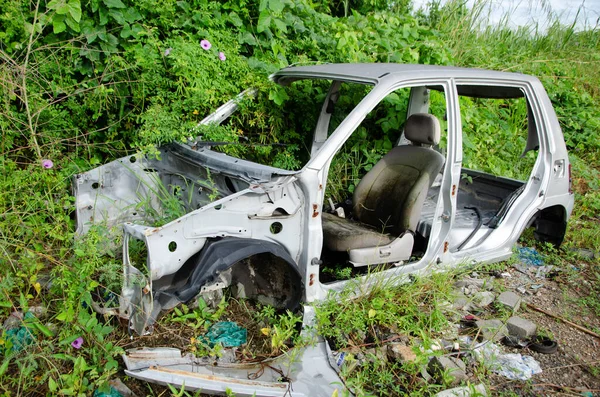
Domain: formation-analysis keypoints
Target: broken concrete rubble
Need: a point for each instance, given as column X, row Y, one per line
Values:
column 484, row 298
column 452, row 366
column 510, row 300
column 400, row 353
column 493, row 330
column 520, row 327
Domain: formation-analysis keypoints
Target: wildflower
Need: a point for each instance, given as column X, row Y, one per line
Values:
column 168, row 51
column 205, row 44
column 222, row 56
column 77, row 343
column 195, row 112
column 46, row 163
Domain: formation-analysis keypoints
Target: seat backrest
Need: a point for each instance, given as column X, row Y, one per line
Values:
column 390, row 196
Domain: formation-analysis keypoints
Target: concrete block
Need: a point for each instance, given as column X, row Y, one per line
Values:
column 493, row 330
column 520, row 327
column 454, row 367
column 484, row 298
column 510, row 300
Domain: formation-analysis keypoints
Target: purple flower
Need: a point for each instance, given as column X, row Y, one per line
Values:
column 205, row 44
column 77, row 343
column 222, row 56
column 168, row 51
column 46, row 163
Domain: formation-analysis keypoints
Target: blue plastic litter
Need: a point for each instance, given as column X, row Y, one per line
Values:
column 112, row 392
column 530, row 257
column 20, row 337
column 227, row 333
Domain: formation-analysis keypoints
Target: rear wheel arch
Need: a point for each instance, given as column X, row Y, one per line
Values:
column 550, row 225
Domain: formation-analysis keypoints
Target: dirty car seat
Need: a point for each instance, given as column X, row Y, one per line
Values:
column 388, row 200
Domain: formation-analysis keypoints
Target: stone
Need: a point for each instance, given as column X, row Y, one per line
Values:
column 520, row 327
column 464, row 391
column 469, row 282
column 400, row 353
column 38, row 311
column 454, row 367
column 15, row 320
column 376, row 356
column 493, row 330
column 484, row 298
column 510, row 300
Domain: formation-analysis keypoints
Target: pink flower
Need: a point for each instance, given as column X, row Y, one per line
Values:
column 168, row 51
column 222, row 56
column 205, row 44
column 77, row 343
column 46, row 163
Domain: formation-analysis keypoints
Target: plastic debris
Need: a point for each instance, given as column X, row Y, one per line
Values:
column 530, row 256
column 111, row 392
column 512, row 366
column 20, row 337
column 227, row 333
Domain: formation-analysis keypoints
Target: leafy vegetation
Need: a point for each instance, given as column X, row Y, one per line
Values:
column 83, row 83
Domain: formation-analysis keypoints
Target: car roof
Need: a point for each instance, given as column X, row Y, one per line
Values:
column 373, row 73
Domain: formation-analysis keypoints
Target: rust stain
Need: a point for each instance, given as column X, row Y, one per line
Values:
column 226, row 380
column 453, row 190
column 315, row 212
column 445, row 246
column 312, row 279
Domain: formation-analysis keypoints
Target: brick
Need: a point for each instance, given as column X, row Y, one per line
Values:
column 510, row 300
column 521, row 327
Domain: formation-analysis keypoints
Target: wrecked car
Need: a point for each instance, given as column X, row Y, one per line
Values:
column 269, row 233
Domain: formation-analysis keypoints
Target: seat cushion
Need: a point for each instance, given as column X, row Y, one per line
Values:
column 340, row 234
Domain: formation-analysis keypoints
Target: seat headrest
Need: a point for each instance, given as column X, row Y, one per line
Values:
column 422, row 129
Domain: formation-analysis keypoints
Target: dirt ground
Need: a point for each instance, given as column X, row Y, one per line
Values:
column 575, row 368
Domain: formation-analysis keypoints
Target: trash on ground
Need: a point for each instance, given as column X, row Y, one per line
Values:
column 227, row 333
column 512, row 366
column 530, row 257
column 109, row 392
column 20, row 337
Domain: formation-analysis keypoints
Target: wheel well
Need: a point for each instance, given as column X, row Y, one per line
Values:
column 550, row 225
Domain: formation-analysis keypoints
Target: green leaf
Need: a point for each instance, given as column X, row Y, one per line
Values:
column 72, row 24
column 52, row 385
column 74, row 9
column 103, row 12
column 280, row 25
column 278, row 96
column 372, row 313
column 131, row 15
column 52, row 5
column 276, row 6
column 247, row 38
column 62, row 9
column 264, row 21
column 118, row 16
column 114, row 3
column 235, row 19
column 28, row 28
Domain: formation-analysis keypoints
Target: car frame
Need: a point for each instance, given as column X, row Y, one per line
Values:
column 266, row 210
